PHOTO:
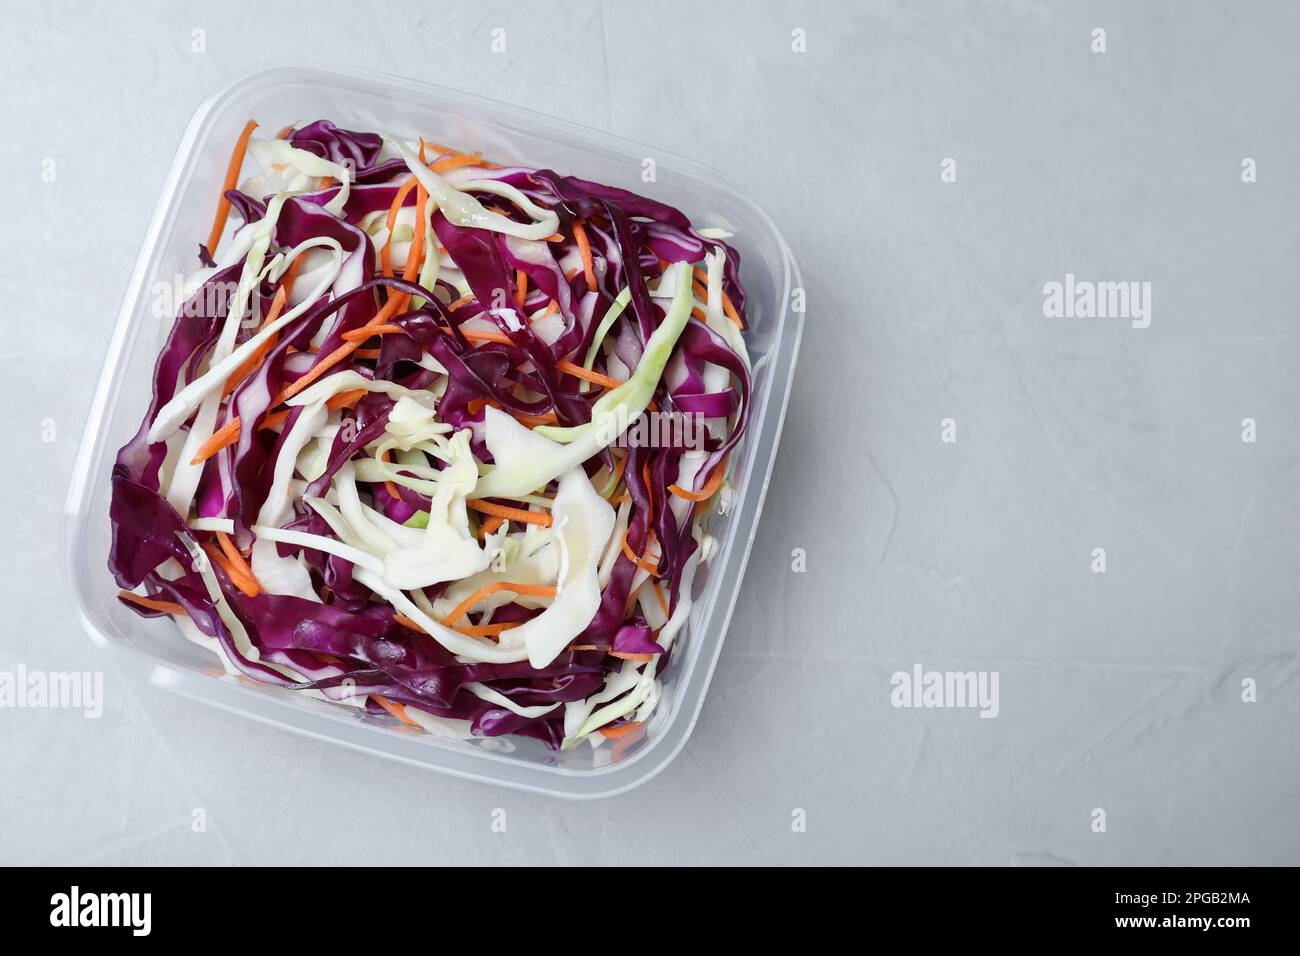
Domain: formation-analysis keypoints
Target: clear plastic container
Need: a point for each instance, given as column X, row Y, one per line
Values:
column 356, row 100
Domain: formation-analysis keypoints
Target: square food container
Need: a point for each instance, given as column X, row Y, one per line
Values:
column 367, row 101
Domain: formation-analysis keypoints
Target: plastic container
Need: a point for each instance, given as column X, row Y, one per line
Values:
column 368, row 101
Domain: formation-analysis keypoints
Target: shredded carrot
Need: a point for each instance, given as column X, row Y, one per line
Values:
column 463, row 300
column 618, row 472
column 439, row 147
column 485, row 630
column 584, row 247
column 275, row 419
column 632, row 598
column 486, row 335
column 291, row 276
column 730, row 311
column 448, row 163
column 491, row 524
column 392, row 488
column 391, row 308
column 469, row 630
column 521, row 287
column 463, row 608
column 629, row 656
column 255, row 360
column 551, row 309
column 650, row 495
column 153, row 604
column 640, row 562
column 663, row 603
column 577, row 371
column 397, row 710
column 533, row 420
column 231, row 181
column 710, row 487
column 365, row 333
column 237, row 561
column 554, row 237
column 620, row 499
column 284, row 133
column 227, row 434
column 622, row 730
column 399, row 200
column 514, row 514
column 345, row 399
column 251, row 588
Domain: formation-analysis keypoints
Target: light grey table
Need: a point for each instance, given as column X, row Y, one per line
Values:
column 1119, row 690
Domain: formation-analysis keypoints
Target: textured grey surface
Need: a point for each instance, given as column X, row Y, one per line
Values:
column 1119, row 690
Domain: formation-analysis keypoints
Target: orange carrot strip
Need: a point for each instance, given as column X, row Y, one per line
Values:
column 284, row 133
column 251, row 588
column 650, row 500
column 470, row 630
column 391, row 308
column 227, row 434
column 536, row 590
column 584, row 247
column 385, row 256
column 345, row 399
column 514, row 514
column 486, row 335
column 484, row 630
column 613, row 733
column 238, row 562
column 711, row 486
column 170, row 607
column 254, row 360
column 629, row 656
column 663, row 604
column 701, row 288
column 534, row 420
column 392, row 488
column 231, row 181
column 491, row 524
column 290, row 277
column 640, row 562
column 367, row 332
column 521, row 287
column 448, row 163
column 397, row 710
column 577, row 371
column 618, row 471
